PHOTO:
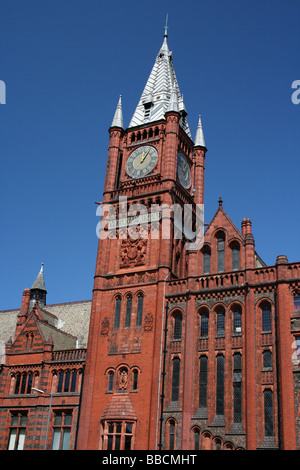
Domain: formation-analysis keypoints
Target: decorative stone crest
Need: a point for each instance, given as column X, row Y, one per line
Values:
column 104, row 327
column 148, row 323
column 133, row 252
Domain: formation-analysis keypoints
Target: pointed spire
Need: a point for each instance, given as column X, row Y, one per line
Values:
column 39, row 283
column 199, row 138
column 156, row 96
column 118, row 117
column 173, row 105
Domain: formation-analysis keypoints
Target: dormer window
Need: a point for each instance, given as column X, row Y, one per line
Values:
column 147, row 110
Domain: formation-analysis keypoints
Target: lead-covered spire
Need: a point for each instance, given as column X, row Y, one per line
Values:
column 155, row 99
column 118, row 117
column 199, row 138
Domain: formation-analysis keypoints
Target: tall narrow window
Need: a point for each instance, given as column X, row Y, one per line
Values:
column 67, row 381
column 60, row 382
column 267, row 359
column 268, row 405
column 119, row 170
column 206, row 260
column 221, row 322
column 204, row 325
column 117, row 313
column 135, row 380
column 220, row 386
column 62, row 430
column 17, row 431
column 266, row 317
column 196, row 439
column 172, row 435
column 139, row 315
column 177, row 326
column 237, row 320
column 203, row 382
column 73, row 381
column 221, row 251
column 237, row 388
column 235, row 253
column 128, row 312
column 175, row 379
column 110, row 381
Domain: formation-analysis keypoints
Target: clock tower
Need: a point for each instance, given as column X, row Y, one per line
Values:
column 152, row 167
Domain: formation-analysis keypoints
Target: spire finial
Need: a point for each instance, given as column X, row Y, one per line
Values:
column 118, row 117
column 166, row 28
column 220, row 202
column 199, row 139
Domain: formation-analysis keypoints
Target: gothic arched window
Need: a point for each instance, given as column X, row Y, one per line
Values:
column 235, row 255
column 117, row 313
column 177, row 326
column 221, row 251
column 206, row 259
column 139, row 314
column 266, row 317
column 175, row 379
column 128, row 311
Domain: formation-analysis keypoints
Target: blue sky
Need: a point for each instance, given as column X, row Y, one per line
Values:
column 65, row 63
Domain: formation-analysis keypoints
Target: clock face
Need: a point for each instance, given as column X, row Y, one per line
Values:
column 141, row 161
column 183, row 171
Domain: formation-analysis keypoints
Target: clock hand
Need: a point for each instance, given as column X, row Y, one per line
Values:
column 145, row 155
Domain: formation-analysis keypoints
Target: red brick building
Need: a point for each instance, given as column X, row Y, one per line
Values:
column 190, row 346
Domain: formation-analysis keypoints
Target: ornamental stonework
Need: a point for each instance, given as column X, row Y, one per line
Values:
column 133, row 252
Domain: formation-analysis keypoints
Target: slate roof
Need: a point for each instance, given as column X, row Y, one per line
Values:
column 72, row 318
column 157, row 93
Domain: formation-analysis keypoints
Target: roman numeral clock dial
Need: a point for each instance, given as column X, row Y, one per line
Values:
column 141, row 161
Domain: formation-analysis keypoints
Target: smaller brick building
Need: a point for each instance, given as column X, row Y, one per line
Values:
column 41, row 371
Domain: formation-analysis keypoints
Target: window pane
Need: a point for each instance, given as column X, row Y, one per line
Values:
column 220, row 385
column 12, row 439
column 140, row 311
column 268, row 401
column 73, row 384
column 60, row 382
column 127, row 442
column 109, row 442
column 177, row 327
column 67, row 381
column 297, row 302
column 128, row 312
column 175, row 379
column 117, row 313
column 235, row 257
column 206, row 262
column 110, row 381
column 267, row 356
column 21, row 439
column 58, row 420
column 266, row 318
column 117, row 442
column 29, row 383
column 203, row 382
column 18, row 380
column 237, row 321
column 221, row 251
column 23, row 385
column 220, row 324
column 66, row 439
column 56, row 439
column 204, row 325
column 68, row 420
